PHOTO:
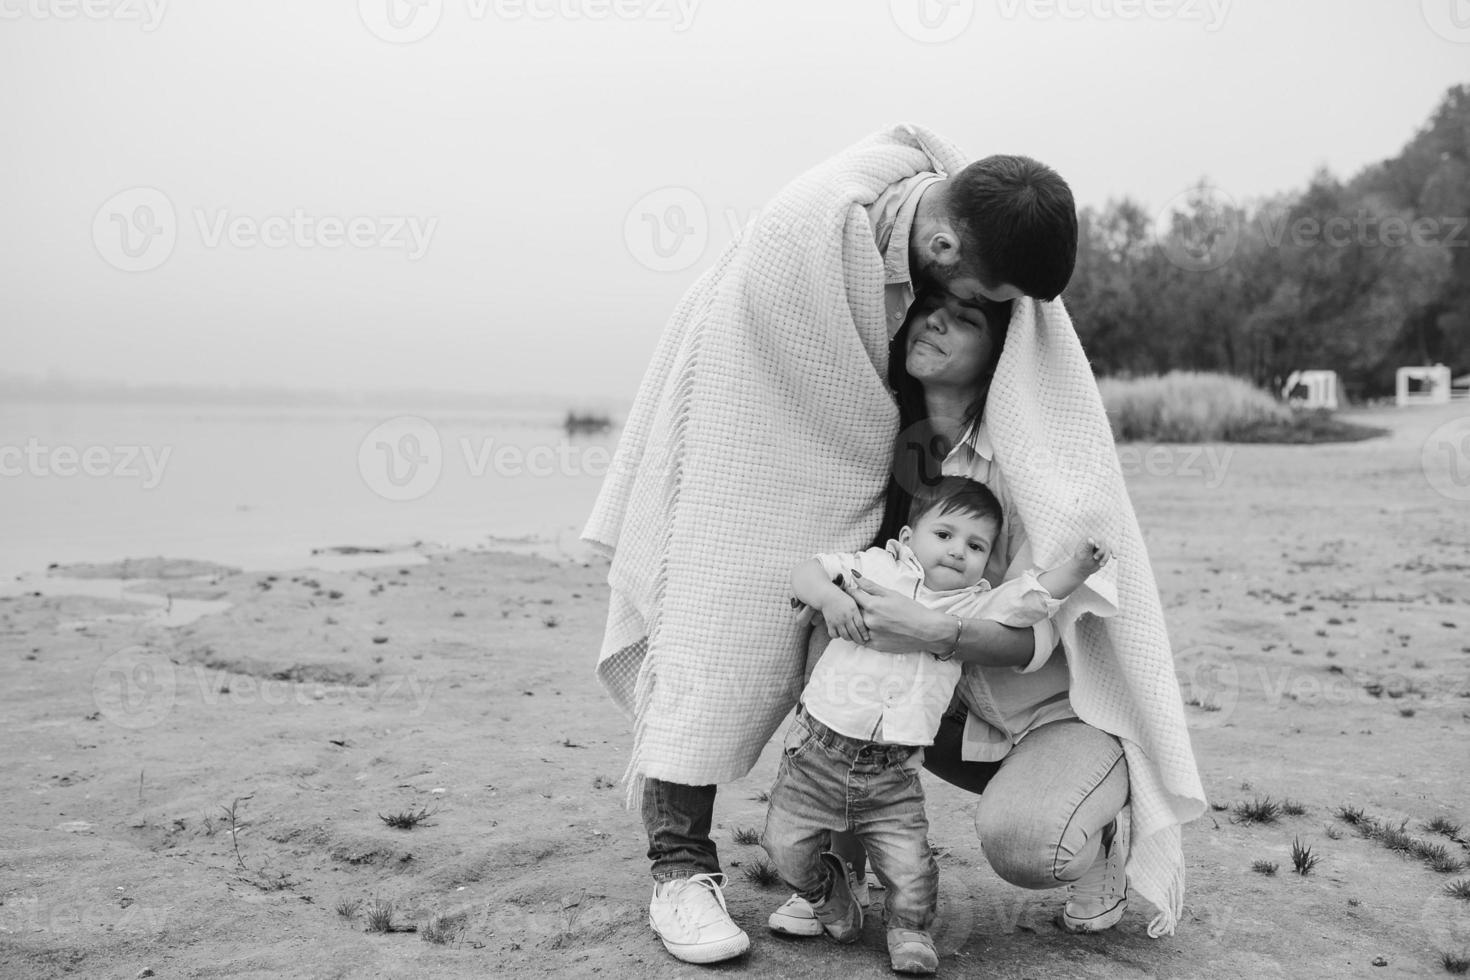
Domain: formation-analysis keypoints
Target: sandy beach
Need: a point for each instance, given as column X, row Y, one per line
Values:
column 1319, row 604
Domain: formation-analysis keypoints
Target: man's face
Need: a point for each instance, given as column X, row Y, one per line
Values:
column 966, row 282
column 970, row 289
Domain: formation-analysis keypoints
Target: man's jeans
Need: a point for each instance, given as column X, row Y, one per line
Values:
column 828, row 781
column 677, row 819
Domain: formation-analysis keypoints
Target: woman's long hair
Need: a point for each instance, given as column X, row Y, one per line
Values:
column 919, row 451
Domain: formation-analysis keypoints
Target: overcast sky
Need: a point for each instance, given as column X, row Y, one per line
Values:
column 465, row 193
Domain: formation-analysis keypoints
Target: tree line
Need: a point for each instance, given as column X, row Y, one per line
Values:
column 1360, row 277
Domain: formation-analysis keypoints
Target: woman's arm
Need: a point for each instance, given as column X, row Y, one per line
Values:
column 898, row 624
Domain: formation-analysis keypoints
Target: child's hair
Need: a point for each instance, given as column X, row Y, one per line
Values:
column 956, row 493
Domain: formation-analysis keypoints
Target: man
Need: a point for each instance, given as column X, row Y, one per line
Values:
column 765, row 389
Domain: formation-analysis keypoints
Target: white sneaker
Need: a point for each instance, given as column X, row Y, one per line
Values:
column 1098, row 899
column 690, row 917
column 796, row 918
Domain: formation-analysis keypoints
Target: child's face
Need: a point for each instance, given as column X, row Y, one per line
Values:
column 952, row 547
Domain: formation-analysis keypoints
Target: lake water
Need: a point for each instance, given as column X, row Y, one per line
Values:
column 260, row 488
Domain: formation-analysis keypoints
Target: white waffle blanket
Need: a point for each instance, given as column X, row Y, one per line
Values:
column 762, row 434
column 1053, row 443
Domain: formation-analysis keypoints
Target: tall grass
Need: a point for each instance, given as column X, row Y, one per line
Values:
column 1188, row 406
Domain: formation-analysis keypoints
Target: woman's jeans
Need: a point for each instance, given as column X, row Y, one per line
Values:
column 1041, row 815
column 1044, row 807
column 830, row 782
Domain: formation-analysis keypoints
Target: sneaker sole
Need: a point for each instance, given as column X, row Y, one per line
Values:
column 1098, row 923
column 794, row 925
column 725, row 949
column 914, row 966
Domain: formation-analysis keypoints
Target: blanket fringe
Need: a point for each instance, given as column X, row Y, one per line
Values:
column 1171, row 908
column 633, row 775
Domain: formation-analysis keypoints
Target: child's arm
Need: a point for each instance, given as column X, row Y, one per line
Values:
column 1063, row 580
column 990, row 643
column 810, row 583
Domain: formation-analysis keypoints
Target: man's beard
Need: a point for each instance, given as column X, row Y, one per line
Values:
column 931, row 279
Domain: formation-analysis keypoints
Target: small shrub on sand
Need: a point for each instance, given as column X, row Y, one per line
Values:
column 1292, row 808
column 1258, row 810
column 746, row 835
column 347, row 908
column 1444, row 827
column 1454, row 963
column 1459, row 889
column 406, row 819
column 1267, row 868
column 1398, row 839
column 441, row 930
column 761, row 873
column 1302, row 858
column 380, row 916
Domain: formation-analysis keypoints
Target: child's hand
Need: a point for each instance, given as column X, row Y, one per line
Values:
column 844, row 619
column 1091, row 555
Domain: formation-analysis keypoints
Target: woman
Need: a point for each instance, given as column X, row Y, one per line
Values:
column 1051, row 786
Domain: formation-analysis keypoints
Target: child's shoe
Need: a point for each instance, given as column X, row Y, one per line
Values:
column 796, row 918
column 911, row 951
column 840, row 915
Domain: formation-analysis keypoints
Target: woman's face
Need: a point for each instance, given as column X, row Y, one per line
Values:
column 944, row 349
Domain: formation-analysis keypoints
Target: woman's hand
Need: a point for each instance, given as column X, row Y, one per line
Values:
column 896, row 623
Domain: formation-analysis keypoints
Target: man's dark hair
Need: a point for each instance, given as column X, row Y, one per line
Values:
column 1017, row 217
column 956, row 493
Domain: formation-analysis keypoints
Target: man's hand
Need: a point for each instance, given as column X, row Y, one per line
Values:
column 895, row 623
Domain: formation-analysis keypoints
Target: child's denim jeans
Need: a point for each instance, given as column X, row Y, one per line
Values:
column 829, row 782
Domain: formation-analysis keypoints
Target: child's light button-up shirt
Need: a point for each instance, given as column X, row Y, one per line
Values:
column 899, row 699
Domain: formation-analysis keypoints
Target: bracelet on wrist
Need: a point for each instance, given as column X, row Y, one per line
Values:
column 954, row 648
